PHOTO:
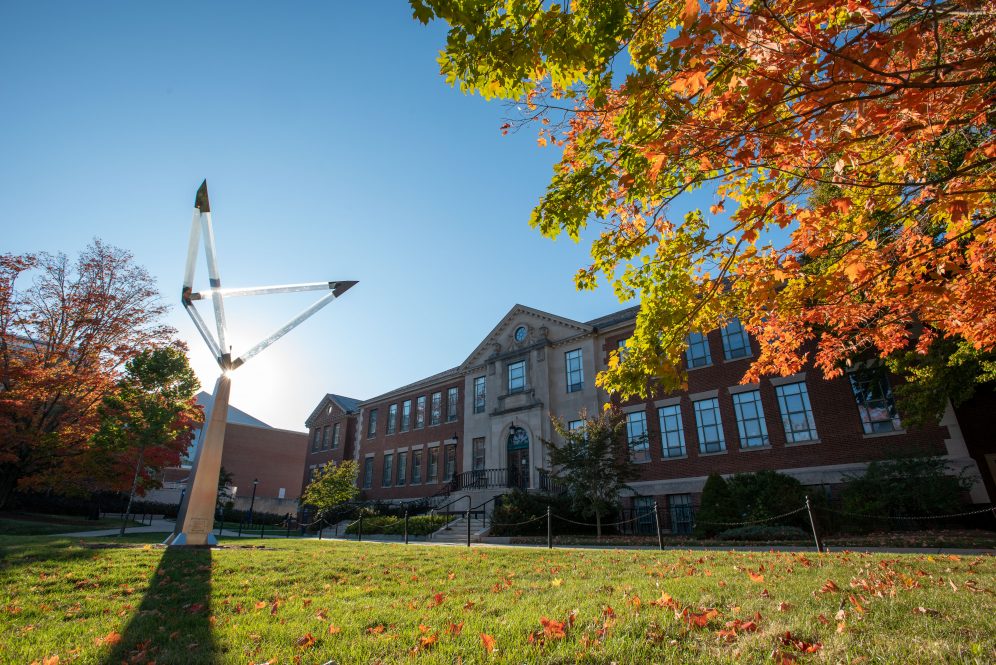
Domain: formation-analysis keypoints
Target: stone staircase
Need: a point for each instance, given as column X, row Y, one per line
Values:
column 456, row 532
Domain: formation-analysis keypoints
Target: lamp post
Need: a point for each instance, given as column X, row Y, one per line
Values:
column 252, row 501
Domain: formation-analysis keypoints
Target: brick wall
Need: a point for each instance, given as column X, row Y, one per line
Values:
column 841, row 439
column 415, row 438
column 328, row 449
column 274, row 456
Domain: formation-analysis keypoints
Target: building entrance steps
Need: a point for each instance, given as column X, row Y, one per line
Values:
column 456, row 531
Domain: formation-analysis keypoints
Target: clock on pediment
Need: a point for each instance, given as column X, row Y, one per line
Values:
column 520, row 334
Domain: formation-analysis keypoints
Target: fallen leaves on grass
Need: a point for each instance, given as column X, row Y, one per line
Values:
column 110, row 639
column 829, row 587
column 488, row 642
column 306, row 641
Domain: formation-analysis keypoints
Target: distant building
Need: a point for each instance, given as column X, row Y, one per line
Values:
column 253, row 451
column 476, row 429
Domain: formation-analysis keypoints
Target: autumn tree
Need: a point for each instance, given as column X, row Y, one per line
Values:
column 148, row 422
column 592, row 463
column 332, row 485
column 848, row 148
column 64, row 339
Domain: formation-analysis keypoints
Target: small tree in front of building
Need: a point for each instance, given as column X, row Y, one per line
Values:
column 333, row 485
column 593, row 463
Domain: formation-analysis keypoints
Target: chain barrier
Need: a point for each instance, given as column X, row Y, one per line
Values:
column 749, row 522
column 905, row 517
column 541, row 517
column 638, row 517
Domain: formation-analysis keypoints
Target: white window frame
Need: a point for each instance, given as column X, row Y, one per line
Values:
column 744, row 403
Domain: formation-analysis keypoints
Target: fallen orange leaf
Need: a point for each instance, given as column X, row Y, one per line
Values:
column 488, row 642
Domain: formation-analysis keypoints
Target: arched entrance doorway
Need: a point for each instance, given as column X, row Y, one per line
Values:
column 518, row 457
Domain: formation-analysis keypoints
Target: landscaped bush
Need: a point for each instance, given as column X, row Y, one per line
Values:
column 717, row 506
column 419, row 525
column 749, row 497
column 907, row 487
column 762, row 532
column 519, row 506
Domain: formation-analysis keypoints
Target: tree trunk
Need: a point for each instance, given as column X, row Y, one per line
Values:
column 9, row 474
column 134, row 486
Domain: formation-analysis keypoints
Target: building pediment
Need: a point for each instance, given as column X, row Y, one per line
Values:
column 523, row 327
column 332, row 404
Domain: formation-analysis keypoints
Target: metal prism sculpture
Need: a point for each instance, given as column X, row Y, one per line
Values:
column 195, row 520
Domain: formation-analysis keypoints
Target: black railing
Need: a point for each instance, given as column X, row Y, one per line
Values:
column 549, row 484
column 482, row 509
column 481, row 479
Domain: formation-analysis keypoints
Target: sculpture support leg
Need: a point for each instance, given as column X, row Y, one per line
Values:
column 195, row 521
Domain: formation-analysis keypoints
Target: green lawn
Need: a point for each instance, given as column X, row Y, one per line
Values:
column 108, row 601
column 47, row 525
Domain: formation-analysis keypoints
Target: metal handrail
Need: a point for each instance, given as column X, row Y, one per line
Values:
column 484, row 513
column 445, row 505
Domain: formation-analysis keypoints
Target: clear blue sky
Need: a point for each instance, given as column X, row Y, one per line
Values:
column 333, row 150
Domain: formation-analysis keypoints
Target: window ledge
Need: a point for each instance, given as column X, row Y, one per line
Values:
column 692, row 369
column 642, row 461
column 738, row 359
column 877, row 435
column 666, row 458
column 719, row 452
column 792, row 444
column 747, row 449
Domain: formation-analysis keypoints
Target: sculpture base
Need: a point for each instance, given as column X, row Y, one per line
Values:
column 181, row 540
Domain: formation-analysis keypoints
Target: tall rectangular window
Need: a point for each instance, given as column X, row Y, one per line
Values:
column 315, row 440
column 433, row 465
column 797, row 413
column 709, row 425
column 368, row 473
column 697, row 353
column 750, row 419
column 416, row 467
column 452, row 398
column 680, row 508
column 672, row 431
column 450, row 462
column 335, row 436
column 574, row 424
column 735, row 341
column 406, row 415
column 575, row 370
column 402, row 468
column 388, row 470
column 636, row 436
column 392, row 418
column 372, row 424
column 480, row 394
column 479, row 453
column 420, row 412
column 517, row 376
column 436, row 409
column 621, row 348
column 876, row 405
column 325, row 437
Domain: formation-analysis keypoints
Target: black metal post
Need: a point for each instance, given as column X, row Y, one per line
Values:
column 262, row 528
column 240, row 529
column 812, row 523
column 359, row 531
column 320, row 528
column 406, row 526
column 252, row 502
column 657, row 523
column 549, row 528
column 288, row 525
column 221, row 527
column 468, row 527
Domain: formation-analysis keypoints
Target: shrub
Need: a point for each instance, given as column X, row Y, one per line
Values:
column 419, row 525
column 766, row 494
column 519, row 506
column 758, row 532
column 903, row 487
column 717, row 506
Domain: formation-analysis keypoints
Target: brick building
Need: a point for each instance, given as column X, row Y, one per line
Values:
column 476, row 429
column 253, row 451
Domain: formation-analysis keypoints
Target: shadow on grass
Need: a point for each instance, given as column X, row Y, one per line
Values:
column 172, row 624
